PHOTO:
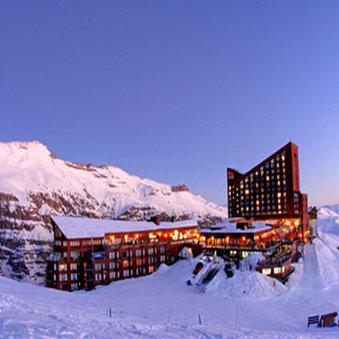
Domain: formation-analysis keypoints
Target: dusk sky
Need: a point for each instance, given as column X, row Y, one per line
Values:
column 176, row 91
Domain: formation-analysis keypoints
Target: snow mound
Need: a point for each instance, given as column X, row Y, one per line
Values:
column 162, row 268
column 245, row 284
column 186, row 253
column 251, row 262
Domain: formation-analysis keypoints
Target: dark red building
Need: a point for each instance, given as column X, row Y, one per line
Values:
column 270, row 190
column 90, row 252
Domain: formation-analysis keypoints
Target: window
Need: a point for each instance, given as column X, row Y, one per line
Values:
column 62, row 277
column 74, row 243
column 138, row 253
column 266, row 271
column 112, row 255
column 150, row 251
column 75, row 254
column 73, row 266
column 112, row 275
column 150, row 269
column 62, row 267
column 277, row 270
column 74, row 276
column 162, row 249
column 98, row 276
column 74, row 286
column 98, row 267
column 126, row 273
column 112, row 265
column 125, row 263
column 162, row 258
column 150, row 260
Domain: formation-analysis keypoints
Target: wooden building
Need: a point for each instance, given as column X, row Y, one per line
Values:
column 90, row 252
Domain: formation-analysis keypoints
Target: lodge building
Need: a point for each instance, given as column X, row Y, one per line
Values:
column 90, row 252
column 270, row 190
column 267, row 214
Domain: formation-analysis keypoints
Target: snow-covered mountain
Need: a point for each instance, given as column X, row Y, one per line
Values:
column 35, row 183
column 329, row 211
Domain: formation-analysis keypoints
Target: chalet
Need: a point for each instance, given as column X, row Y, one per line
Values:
column 90, row 252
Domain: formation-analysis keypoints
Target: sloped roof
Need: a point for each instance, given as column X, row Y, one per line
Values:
column 80, row 227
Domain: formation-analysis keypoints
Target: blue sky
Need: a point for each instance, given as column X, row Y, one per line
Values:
column 176, row 90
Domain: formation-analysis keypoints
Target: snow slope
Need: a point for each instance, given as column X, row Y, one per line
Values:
column 162, row 305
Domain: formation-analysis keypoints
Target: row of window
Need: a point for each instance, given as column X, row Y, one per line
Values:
column 64, row 277
column 274, row 270
column 125, row 273
column 126, row 263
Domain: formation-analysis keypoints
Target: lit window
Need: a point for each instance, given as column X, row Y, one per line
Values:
column 266, row 271
column 277, row 270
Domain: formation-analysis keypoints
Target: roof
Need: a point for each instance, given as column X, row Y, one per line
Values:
column 80, row 227
column 228, row 227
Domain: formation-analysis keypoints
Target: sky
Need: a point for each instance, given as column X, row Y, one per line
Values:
column 173, row 90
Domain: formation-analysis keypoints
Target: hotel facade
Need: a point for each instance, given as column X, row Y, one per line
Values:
column 89, row 252
column 267, row 215
column 270, row 191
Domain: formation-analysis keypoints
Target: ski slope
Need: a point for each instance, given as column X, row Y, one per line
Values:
column 162, row 305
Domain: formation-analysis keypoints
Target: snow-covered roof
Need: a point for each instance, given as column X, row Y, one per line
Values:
column 80, row 227
column 226, row 226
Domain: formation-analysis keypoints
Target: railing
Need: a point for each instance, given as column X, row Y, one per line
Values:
column 278, row 260
column 241, row 246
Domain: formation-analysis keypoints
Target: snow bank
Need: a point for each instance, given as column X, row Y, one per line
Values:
column 245, row 284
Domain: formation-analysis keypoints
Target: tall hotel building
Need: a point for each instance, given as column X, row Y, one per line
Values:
column 270, row 190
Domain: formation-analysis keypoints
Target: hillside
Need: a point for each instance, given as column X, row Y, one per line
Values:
column 35, row 183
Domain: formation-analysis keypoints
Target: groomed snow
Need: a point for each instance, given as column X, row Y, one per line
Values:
column 162, row 305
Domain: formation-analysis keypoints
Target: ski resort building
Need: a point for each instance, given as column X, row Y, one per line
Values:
column 90, row 252
column 267, row 215
column 236, row 239
column 270, row 191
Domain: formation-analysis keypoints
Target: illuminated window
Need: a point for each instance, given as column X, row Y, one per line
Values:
column 266, row 271
column 277, row 270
